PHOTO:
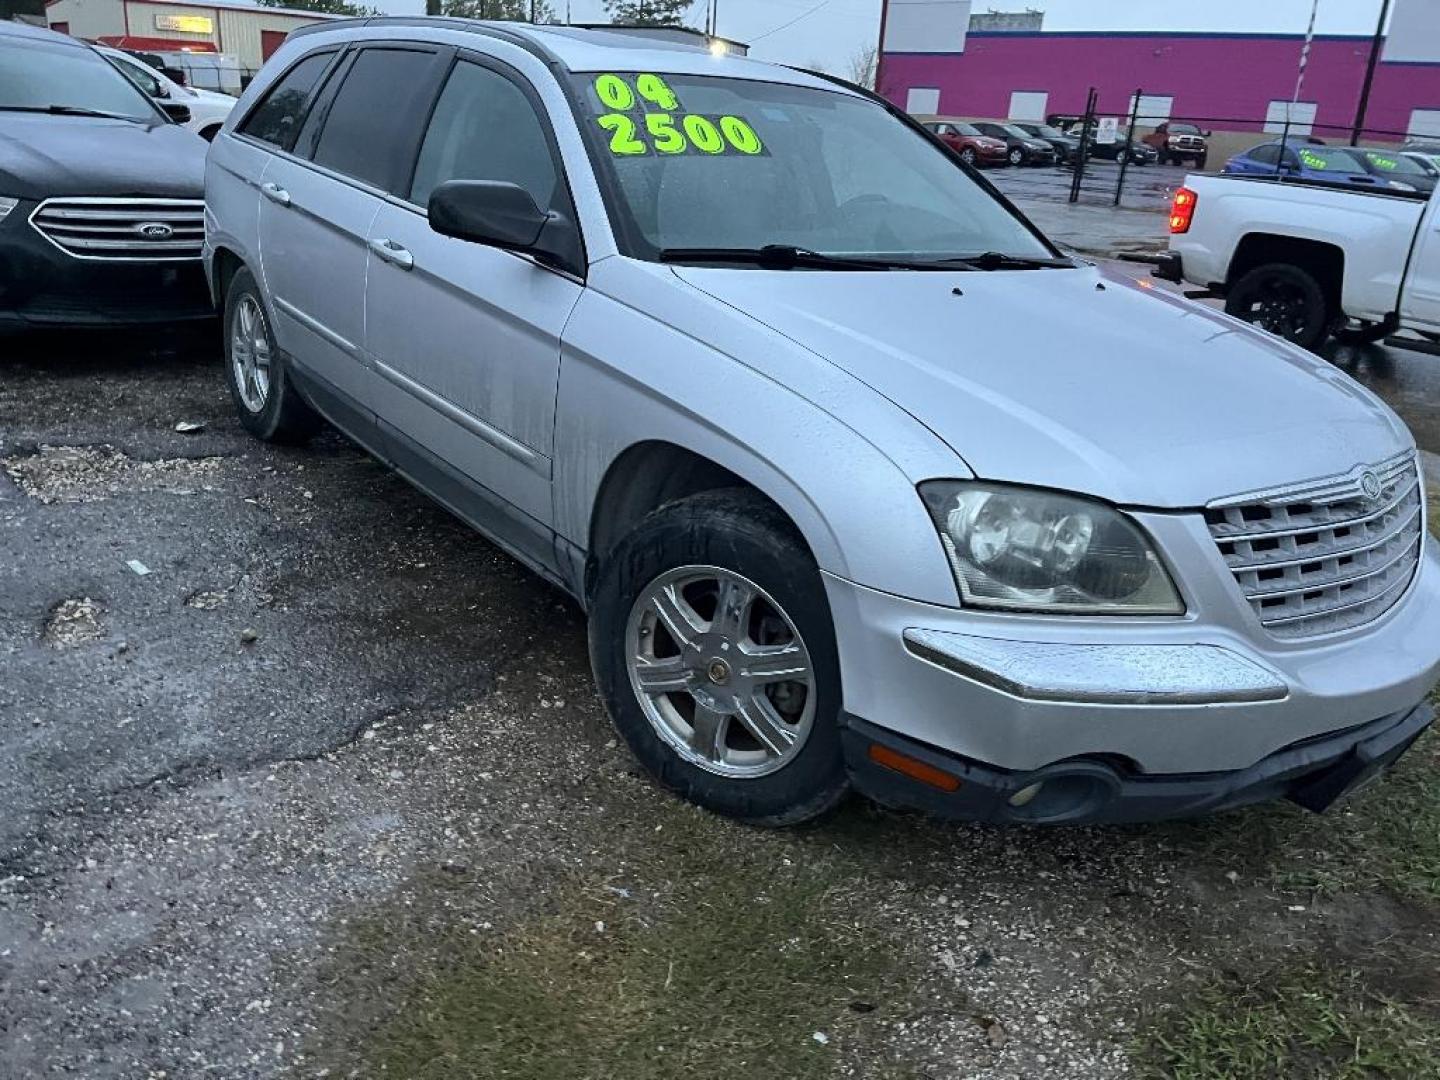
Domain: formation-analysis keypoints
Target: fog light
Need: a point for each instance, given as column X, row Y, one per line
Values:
column 1026, row 795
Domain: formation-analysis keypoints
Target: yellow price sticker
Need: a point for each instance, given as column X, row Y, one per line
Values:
column 619, row 94
column 670, row 135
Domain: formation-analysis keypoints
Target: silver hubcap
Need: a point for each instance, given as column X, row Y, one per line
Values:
column 250, row 354
column 721, row 671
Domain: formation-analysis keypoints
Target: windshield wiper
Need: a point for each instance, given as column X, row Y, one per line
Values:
column 68, row 110
column 999, row 260
column 785, row 257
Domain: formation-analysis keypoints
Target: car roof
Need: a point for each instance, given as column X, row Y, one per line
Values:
column 588, row 49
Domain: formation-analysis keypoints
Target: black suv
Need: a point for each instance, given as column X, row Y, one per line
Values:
column 102, row 212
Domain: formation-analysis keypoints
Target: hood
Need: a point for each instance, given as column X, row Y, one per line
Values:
column 213, row 97
column 1043, row 377
column 1038, row 144
column 43, row 156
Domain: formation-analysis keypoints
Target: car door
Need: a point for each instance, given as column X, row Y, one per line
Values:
column 1420, row 302
column 465, row 338
column 319, row 200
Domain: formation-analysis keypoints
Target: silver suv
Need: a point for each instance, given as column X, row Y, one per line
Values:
column 762, row 375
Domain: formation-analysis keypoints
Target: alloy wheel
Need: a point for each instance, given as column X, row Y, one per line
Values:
column 1279, row 306
column 250, row 354
column 721, row 671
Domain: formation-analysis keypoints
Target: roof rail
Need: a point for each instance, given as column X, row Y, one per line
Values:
column 497, row 30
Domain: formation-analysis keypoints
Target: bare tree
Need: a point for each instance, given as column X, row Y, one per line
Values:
column 862, row 67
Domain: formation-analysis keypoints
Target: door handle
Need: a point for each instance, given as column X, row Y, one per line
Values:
column 275, row 193
column 393, row 253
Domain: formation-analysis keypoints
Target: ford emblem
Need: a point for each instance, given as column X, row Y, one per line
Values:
column 155, row 230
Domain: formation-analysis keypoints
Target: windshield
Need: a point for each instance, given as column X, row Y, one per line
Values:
column 1018, row 132
column 1386, row 162
column 1327, row 160
column 1047, row 131
column 969, row 129
column 39, row 74
column 1184, row 129
column 697, row 162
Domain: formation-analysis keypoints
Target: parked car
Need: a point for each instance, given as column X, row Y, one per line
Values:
column 1301, row 161
column 1395, row 169
column 1066, row 147
column 1307, row 262
column 1140, row 153
column 973, row 147
column 1429, row 163
column 1022, row 148
column 207, row 108
column 1180, row 143
column 101, row 194
column 822, row 539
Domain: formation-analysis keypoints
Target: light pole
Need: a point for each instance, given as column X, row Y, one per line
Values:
column 1375, row 47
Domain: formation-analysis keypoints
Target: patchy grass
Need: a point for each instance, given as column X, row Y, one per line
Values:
column 710, row 947
column 1311, row 1023
column 1386, row 837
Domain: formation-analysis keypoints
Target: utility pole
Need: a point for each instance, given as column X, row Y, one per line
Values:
column 880, row 50
column 1375, row 47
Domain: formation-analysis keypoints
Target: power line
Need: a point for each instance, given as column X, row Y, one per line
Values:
column 792, row 22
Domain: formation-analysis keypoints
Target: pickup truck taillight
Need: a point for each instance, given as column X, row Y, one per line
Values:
column 1182, row 210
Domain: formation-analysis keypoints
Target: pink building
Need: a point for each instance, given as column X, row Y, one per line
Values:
column 1231, row 82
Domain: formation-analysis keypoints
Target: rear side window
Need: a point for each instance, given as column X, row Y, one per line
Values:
column 485, row 128
column 372, row 125
column 277, row 118
column 1268, row 154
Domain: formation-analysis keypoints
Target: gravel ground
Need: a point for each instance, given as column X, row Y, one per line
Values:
column 255, row 701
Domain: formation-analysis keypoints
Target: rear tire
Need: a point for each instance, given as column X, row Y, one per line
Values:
column 265, row 399
column 1283, row 299
column 709, row 725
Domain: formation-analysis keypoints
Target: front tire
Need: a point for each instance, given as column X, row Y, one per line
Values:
column 1016, row 157
column 1283, row 299
column 714, row 651
column 266, row 401
column 967, row 155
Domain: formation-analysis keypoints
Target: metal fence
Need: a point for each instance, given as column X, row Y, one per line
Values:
column 1128, row 161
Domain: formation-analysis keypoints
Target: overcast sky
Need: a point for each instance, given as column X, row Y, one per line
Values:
column 830, row 32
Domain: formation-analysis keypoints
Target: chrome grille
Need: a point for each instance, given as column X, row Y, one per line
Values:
column 1324, row 557
column 144, row 230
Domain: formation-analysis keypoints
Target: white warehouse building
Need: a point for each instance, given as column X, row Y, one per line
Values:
column 196, row 38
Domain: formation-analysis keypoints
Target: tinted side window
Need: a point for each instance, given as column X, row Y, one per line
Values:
column 277, row 118
column 1268, row 154
column 369, row 130
column 485, row 128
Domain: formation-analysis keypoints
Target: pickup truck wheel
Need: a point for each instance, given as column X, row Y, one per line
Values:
column 267, row 403
column 1283, row 299
column 714, row 651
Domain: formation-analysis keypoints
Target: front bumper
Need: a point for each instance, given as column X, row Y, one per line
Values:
column 1315, row 773
column 42, row 287
column 1207, row 692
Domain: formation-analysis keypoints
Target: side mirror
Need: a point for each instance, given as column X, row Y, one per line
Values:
column 505, row 216
column 180, row 114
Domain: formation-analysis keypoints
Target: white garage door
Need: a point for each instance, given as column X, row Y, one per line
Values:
column 1029, row 106
column 923, row 101
column 1425, row 124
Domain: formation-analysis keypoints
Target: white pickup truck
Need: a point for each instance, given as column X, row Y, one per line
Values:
column 1307, row 261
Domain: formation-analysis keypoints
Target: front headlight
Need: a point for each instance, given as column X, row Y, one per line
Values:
column 1020, row 549
column 6, row 205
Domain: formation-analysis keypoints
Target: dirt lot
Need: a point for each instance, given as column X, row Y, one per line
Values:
column 327, row 792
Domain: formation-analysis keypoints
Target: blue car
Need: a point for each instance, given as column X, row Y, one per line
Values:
column 1303, row 161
